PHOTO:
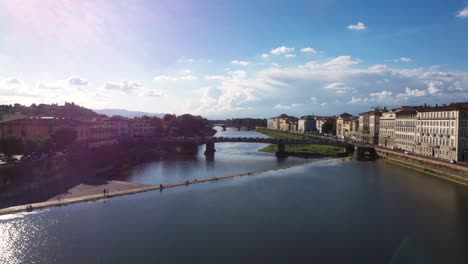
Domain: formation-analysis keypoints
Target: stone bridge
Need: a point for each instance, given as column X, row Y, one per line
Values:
column 210, row 142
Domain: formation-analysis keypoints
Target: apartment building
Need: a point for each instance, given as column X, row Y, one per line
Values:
column 320, row 121
column 442, row 131
column 387, row 129
column 405, row 128
column 369, row 126
column 354, row 128
column 343, row 126
column 306, row 124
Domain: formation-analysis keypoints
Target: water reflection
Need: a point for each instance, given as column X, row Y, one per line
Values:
column 315, row 213
column 229, row 158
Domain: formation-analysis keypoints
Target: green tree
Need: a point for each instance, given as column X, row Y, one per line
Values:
column 63, row 137
column 12, row 146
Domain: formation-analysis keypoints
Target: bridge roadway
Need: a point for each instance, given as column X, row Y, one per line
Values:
column 210, row 141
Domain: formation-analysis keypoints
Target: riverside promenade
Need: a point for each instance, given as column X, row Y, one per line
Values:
column 88, row 192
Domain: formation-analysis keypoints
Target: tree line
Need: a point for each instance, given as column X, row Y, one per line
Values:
column 249, row 123
column 67, row 110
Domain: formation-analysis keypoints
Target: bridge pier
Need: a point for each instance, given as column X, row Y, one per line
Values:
column 210, row 149
column 281, row 153
column 364, row 153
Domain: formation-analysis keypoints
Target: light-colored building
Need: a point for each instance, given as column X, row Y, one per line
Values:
column 354, row 128
column 405, row 128
column 283, row 123
column 343, row 126
column 369, row 126
column 122, row 126
column 273, row 123
column 387, row 129
column 306, row 124
column 442, row 131
column 142, row 128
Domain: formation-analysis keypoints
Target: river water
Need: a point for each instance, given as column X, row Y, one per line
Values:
column 323, row 212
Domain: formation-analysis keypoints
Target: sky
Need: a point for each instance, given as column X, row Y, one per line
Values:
column 243, row 58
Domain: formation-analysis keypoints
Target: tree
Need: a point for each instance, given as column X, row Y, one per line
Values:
column 11, row 146
column 63, row 137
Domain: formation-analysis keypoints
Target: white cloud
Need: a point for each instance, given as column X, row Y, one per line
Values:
column 313, row 99
column 338, row 86
column 382, row 96
column 281, row 50
column 239, row 62
column 153, row 93
column 290, row 55
column 12, row 86
column 189, row 77
column 337, row 63
column 165, row 78
column 412, row 93
column 123, row 86
column 280, row 106
column 463, row 13
column 308, row 50
column 379, row 68
column 434, row 87
column 436, row 74
column 264, row 55
column 215, row 77
column 358, row 27
column 357, row 100
column 403, row 59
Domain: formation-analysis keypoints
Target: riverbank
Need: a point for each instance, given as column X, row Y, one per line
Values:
column 94, row 192
column 312, row 150
column 448, row 171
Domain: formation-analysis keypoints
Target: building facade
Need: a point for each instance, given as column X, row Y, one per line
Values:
column 306, row 124
column 405, row 128
column 343, row 126
column 442, row 131
column 387, row 129
column 320, row 121
column 369, row 126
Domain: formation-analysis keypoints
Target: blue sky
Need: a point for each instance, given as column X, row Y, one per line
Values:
column 234, row 59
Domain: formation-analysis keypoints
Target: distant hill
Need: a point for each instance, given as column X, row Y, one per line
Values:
column 125, row 113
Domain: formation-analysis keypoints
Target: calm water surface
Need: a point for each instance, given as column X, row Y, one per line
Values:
column 229, row 158
column 329, row 212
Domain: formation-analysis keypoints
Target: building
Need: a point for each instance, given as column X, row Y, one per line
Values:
column 343, row 126
column 387, row 130
column 306, row 124
column 442, row 131
column 369, row 126
column 122, row 126
column 405, row 128
column 32, row 128
column 273, row 123
column 142, row 128
column 320, row 121
column 354, row 128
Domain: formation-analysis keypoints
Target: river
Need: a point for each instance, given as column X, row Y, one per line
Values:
column 324, row 212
